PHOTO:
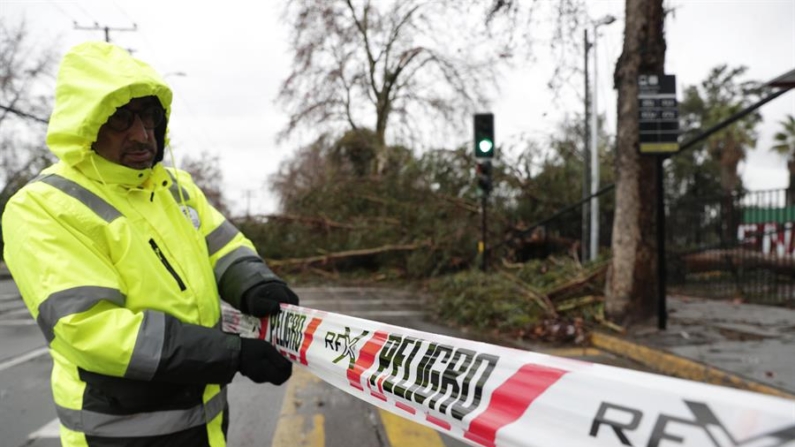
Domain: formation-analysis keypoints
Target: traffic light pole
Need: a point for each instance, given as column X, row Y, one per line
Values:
column 482, row 246
column 484, row 152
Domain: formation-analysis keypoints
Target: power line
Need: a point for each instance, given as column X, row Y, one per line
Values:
column 116, row 4
column 63, row 11
column 92, row 18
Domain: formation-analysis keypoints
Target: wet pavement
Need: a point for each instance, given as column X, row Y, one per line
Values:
column 752, row 342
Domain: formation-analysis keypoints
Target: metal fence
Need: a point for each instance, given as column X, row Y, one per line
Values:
column 735, row 246
column 738, row 246
column 562, row 233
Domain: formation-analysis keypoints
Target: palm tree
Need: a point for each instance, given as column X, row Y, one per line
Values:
column 785, row 140
column 721, row 95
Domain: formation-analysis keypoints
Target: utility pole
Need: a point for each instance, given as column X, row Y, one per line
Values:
column 595, row 144
column 586, row 181
column 106, row 29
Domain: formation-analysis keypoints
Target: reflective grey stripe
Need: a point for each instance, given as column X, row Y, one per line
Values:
column 37, row 178
column 215, row 406
column 148, row 346
column 221, row 236
column 175, row 191
column 223, row 264
column 99, row 206
column 141, row 424
column 73, row 301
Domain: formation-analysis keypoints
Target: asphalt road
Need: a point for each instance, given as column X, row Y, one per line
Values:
column 304, row 412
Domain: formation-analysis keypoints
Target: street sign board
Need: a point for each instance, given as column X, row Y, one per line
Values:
column 658, row 114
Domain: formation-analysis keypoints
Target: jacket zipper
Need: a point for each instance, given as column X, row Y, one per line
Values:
column 167, row 265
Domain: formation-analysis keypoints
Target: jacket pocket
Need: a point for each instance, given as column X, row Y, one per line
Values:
column 120, row 396
column 166, row 264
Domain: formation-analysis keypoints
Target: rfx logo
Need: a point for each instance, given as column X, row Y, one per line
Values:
column 624, row 419
column 345, row 343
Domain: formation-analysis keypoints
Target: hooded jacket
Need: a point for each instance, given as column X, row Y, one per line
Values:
column 123, row 270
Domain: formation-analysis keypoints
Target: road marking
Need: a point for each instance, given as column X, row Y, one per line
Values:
column 573, row 352
column 292, row 430
column 317, row 437
column 51, row 430
column 23, row 358
column 27, row 322
column 403, row 432
column 19, row 311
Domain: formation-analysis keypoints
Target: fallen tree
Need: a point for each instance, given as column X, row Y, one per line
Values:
column 329, row 258
column 731, row 259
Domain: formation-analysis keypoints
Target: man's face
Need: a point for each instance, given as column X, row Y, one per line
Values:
column 128, row 137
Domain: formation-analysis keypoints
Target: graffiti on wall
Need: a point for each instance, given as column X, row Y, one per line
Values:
column 769, row 237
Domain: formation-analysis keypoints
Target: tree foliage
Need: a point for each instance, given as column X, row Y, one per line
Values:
column 421, row 215
column 390, row 66
column 25, row 102
column 329, row 205
column 206, row 173
column 785, row 145
column 24, row 67
column 785, row 137
column 721, row 95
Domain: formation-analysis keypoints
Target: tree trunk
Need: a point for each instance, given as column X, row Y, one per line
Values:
column 730, row 182
column 382, row 116
column 632, row 285
column 730, row 158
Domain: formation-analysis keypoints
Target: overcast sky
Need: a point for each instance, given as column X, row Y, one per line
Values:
column 225, row 62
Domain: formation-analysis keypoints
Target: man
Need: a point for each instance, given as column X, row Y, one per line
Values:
column 122, row 262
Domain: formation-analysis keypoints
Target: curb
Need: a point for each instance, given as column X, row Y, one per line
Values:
column 673, row 365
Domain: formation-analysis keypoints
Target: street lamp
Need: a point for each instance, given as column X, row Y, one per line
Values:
column 606, row 20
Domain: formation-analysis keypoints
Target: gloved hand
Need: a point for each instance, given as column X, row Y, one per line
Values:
column 261, row 362
column 263, row 299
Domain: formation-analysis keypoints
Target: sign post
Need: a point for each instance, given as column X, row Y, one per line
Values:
column 658, row 135
column 658, row 114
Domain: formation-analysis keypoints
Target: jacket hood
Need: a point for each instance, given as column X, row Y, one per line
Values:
column 93, row 80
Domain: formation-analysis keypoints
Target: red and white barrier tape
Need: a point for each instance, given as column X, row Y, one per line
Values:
column 488, row 395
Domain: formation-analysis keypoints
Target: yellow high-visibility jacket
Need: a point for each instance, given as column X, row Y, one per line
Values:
column 123, row 269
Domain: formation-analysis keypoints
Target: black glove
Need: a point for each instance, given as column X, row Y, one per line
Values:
column 261, row 362
column 264, row 298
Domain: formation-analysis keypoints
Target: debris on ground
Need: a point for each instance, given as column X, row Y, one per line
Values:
column 553, row 300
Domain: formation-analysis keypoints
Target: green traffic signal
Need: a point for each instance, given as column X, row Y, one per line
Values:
column 484, row 135
column 485, row 145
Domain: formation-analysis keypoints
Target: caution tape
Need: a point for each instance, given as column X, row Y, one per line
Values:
column 488, row 395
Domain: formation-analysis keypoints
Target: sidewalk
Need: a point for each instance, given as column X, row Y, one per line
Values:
column 743, row 346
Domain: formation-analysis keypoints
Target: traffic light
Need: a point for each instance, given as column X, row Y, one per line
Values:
column 484, row 176
column 484, row 135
